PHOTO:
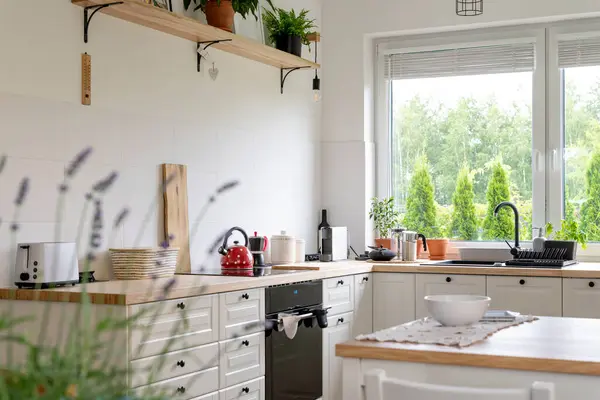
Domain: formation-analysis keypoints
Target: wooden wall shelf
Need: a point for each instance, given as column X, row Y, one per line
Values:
column 147, row 15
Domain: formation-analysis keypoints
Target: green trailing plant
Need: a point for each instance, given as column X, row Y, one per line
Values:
column 501, row 226
column 569, row 230
column 464, row 220
column 89, row 363
column 242, row 7
column 280, row 22
column 385, row 216
column 590, row 211
column 421, row 211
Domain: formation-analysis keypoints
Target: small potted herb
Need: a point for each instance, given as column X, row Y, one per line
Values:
column 385, row 216
column 288, row 30
column 219, row 13
column 568, row 236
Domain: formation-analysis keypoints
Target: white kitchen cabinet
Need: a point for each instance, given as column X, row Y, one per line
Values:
column 338, row 293
column 184, row 387
column 251, row 390
column 527, row 295
column 363, row 304
column 581, row 298
column 393, row 299
column 241, row 313
column 339, row 330
column 431, row 284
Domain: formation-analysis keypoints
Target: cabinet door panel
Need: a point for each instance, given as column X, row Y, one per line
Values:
column 393, row 299
column 431, row 284
column 338, row 293
column 363, row 304
column 527, row 295
column 339, row 330
column 581, row 298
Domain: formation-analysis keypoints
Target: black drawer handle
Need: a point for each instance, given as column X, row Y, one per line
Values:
column 592, row 284
column 366, row 279
column 246, row 343
column 340, row 320
column 448, row 279
column 180, row 389
column 245, row 296
column 341, row 283
column 246, row 390
column 181, row 306
column 522, row 282
column 181, row 363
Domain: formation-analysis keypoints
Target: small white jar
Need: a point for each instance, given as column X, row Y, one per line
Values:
column 300, row 250
column 283, row 249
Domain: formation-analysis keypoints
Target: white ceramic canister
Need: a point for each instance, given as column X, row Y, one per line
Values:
column 300, row 250
column 283, row 249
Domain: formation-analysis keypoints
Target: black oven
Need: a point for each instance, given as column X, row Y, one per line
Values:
column 294, row 367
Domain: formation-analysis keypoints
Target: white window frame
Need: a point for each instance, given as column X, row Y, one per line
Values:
column 461, row 39
column 555, row 138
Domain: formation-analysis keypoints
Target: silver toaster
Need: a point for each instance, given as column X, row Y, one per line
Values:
column 44, row 265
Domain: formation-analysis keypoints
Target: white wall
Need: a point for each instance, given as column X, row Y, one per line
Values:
column 150, row 106
column 348, row 123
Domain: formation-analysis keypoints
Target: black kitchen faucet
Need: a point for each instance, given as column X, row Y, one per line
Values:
column 513, row 250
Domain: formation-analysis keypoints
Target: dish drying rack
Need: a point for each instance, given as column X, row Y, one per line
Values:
column 553, row 257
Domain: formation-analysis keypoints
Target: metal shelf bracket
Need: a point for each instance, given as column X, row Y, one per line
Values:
column 208, row 44
column 87, row 19
column 284, row 74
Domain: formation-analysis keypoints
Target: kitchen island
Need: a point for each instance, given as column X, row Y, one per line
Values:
column 564, row 351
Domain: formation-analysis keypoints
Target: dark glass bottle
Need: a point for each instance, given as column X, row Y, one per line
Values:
column 324, row 224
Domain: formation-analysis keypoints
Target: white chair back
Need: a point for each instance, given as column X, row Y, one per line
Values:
column 379, row 387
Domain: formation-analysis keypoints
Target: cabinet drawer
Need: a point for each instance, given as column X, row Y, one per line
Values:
column 340, row 319
column 163, row 328
column 185, row 387
column 170, row 365
column 527, row 295
column 241, row 313
column 242, row 359
column 338, row 293
column 430, row 284
column 581, row 298
column 251, row 390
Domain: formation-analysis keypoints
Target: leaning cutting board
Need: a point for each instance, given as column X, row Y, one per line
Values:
column 176, row 212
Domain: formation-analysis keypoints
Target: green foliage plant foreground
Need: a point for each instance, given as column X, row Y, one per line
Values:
column 569, row 230
column 420, row 206
column 92, row 363
column 384, row 215
column 242, row 7
column 280, row 22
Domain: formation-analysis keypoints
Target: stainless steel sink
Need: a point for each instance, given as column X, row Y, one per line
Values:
column 467, row 263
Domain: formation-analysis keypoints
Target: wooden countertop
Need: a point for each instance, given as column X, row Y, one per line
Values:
column 147, row 290
column 559, row 345
column 143, row 291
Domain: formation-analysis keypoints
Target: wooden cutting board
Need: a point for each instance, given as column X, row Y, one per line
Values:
column 176, row 213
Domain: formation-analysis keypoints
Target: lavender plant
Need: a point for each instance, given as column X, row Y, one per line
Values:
column 82, row 367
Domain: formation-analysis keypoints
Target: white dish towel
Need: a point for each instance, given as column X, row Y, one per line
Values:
column 429, row 331
column 289, row 324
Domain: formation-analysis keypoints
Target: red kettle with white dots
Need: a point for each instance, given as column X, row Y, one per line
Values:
column 236, row 256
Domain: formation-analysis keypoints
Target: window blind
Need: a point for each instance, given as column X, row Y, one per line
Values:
column 487, row 59
column 582, row 52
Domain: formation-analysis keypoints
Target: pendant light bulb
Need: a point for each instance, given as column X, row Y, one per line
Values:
column 316, row 88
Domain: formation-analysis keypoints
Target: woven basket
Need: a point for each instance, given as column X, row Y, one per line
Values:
column 143, row 263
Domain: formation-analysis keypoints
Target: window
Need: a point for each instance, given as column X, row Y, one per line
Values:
column 579, row 76
column 461, row 136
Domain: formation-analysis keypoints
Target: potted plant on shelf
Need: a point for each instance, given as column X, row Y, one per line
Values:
column 438, row 248
column 569, row 235
column 219, row 13
column 385, row 217
column 288, row 30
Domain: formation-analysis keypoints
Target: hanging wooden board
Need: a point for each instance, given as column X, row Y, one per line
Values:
column 176, row 212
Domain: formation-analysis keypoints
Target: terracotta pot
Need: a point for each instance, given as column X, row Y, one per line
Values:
column 437, row 248
column 420, row 248
column 389, row 244
column 220, row 15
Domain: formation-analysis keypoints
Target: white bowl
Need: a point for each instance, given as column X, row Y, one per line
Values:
column 457, row 309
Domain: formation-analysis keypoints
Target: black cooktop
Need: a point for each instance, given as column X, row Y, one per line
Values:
column 255, row 272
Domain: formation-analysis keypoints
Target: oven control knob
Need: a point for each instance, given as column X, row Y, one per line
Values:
column 24, row 276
